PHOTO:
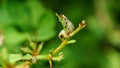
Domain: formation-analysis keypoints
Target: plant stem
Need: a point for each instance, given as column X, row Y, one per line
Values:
column 60, row 47
column 76, row 31
column 64, row 42
column 50, row 62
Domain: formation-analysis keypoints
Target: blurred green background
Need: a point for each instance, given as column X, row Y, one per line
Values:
column 97, row 46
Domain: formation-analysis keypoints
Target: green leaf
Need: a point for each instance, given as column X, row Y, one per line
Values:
column 26, row 15
column 19, row 13
column 4, row 17
column 27, row 50
column 36, row 11
column 40, row 46
column 71, row 41
column 13, row 37
column 15, row 57
column 45, row 30
column 32, row 17
column 27, row 57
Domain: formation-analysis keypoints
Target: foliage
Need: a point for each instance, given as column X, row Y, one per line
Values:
column 97, row 46
column 33, row 51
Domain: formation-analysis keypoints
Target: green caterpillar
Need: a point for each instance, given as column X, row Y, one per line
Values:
column 68, row 27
